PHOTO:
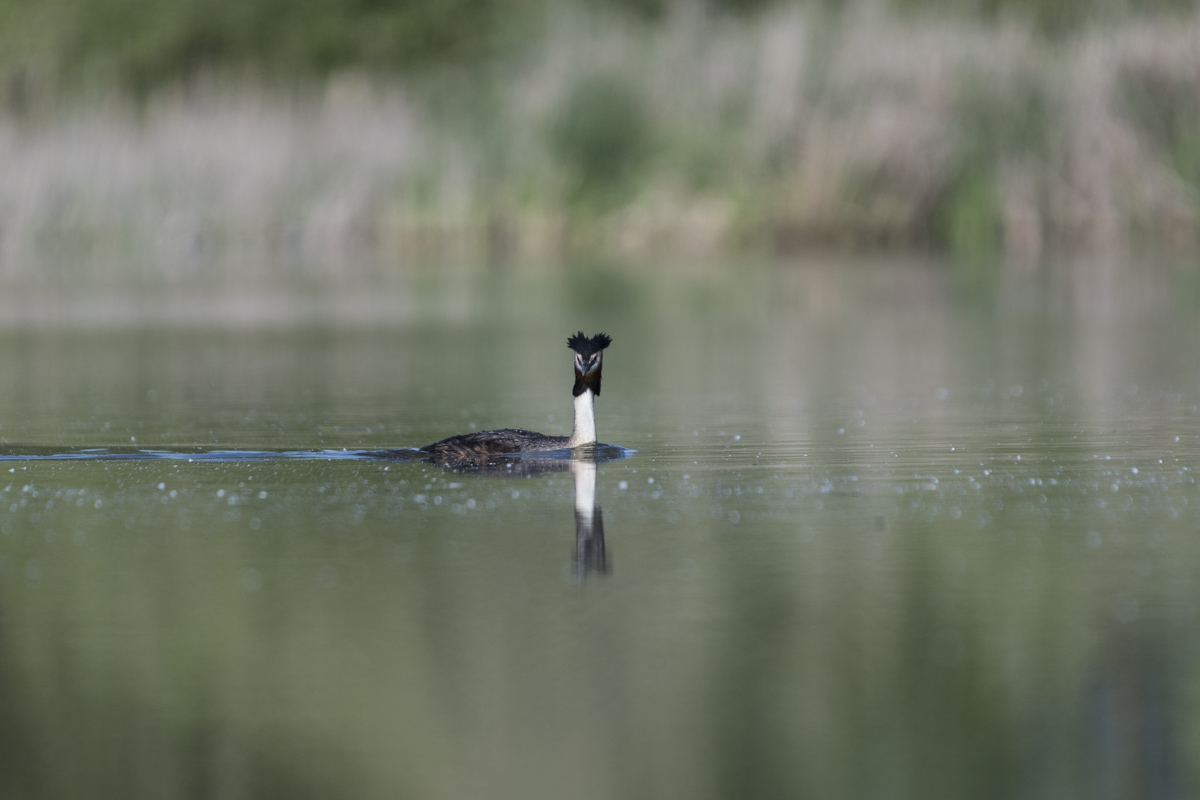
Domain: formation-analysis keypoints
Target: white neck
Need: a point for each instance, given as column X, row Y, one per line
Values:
column 585, row 421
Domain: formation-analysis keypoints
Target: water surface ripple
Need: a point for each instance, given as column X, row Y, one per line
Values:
column 930, row 556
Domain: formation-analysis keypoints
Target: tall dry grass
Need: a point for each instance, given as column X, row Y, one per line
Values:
column 696, row 136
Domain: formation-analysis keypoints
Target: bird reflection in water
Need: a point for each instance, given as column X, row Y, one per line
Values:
column 582, row 462
column 589, row 521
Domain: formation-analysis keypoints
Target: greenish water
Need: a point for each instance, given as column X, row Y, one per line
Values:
column 864, row 547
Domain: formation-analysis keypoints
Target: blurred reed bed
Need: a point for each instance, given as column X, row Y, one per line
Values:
column 696, row 136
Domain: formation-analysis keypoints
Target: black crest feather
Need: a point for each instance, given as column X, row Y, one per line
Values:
column 585, row 346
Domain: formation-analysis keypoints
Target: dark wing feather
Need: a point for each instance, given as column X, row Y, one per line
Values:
column 481, row 442
column 501, row 442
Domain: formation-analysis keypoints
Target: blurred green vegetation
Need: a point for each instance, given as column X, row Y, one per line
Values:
column 142, row 43
column 1051, row 17
column 1166, row 108
column 631, row 125
column 999, row 123
column 603, row 137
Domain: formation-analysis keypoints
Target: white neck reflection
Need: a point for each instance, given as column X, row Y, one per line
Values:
column 585, row 486
column 590, row 554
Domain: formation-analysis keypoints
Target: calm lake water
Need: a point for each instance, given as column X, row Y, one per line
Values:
column 868, row 543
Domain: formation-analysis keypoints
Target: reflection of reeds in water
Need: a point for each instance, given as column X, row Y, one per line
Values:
column 789, row 129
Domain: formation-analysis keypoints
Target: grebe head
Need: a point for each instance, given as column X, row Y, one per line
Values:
column 588, row 361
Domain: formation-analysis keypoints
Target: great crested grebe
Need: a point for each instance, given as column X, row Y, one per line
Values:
column 588, row 362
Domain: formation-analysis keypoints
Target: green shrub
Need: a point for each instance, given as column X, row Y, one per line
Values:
column 142, row 43
column 602, row 137
column 1166, row 109
column 657, row 9
column 1054, row 18
column 973, row 216
column 997, row 120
